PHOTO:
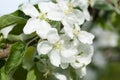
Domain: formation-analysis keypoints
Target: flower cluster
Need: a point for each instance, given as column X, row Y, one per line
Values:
column 68, row 46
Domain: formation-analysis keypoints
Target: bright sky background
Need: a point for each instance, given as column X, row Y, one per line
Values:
column 8, row 6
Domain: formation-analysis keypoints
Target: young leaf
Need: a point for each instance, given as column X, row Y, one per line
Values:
column 31, row 75
column 28, row 59
column 3, row 76
column 7, row 20
column 16, row 55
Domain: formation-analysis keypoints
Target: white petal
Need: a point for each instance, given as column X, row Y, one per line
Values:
column 76, row 3
column 64, row 65
column 86, row 14
column 63, row 4
column 77, row 27
column 68, row 59
column 55, row 57
column 83, row 4
column 87, row 53
column 85, row 37
column 43, row 29
column 5, row 31
column 30, row 10
column 86, row 49
column 76, row 42
column 47, row 7
column 31, row 26
column 53, row 36
column 81, row 71
column 68, row 27
column 69, row 31
column 79, row 16
column 85, row 60
column 60, row 76
column 43, row 47
column 76, row 65
column 55, row 15
column 68, row 52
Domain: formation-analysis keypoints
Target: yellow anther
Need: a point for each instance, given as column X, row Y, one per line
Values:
column 57, row 45
column 42, row 16
column 70, row 9
column 75, row 32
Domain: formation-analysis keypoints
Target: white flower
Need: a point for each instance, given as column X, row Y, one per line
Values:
column 56, row 48
column 84, row 57
column 81, row 71
column 60, row 76
column 66, row 13
column 83, row 4
column 81, row 59
column 76, row 32
column 37, row 22
column 5, row 31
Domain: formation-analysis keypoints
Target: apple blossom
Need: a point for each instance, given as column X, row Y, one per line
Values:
column 76, row 32
column 66, row 12
column 37, row 22
column 56, row 48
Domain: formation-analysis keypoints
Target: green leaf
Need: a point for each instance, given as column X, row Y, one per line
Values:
column 16, row 56
column 28, row 59
column 7, row 20
column 20, row 14
column 103, row 5
column 3, row 76
column 2, row 63
column 31, row 75
column 20, row 73
column 18, row 29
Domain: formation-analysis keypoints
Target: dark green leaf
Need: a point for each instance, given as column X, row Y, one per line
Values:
column 103, row 5
column 7, row 20
column 18, row 29
column 20, row 73
column 2, row 62
column 16, row 55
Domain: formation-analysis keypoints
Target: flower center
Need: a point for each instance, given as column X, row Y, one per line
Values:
column 42, row 16
column 57, row 45
column 75, row 32
column 69, row 9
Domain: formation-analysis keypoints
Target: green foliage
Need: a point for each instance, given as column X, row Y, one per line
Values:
column 24, row 63
column 16, row 56
column 7, row 20
column 103, row 5
column 31, row 75
column 3, row 76
column 28, row 60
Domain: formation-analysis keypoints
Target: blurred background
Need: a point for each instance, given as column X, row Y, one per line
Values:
column 7, row 6
column 105, row 25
